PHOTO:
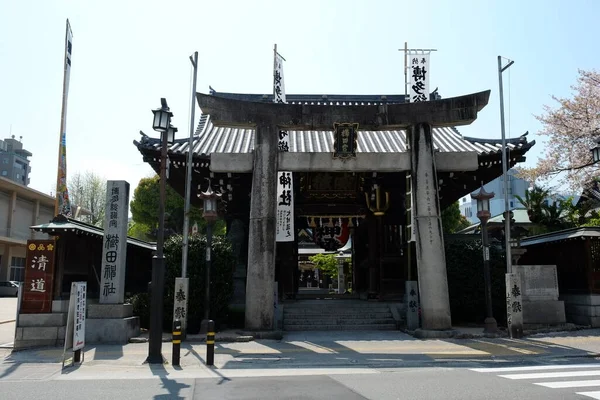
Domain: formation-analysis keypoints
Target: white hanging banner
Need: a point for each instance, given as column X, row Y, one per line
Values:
column 284, row 230
column 278, row 85
column 285, row 183
column 418, row 70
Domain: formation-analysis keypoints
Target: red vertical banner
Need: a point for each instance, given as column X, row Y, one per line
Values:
column 39, row 277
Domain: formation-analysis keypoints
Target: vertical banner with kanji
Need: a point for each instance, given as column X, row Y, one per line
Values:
column 285, row 182
column 114, row 246
column 418, row 70
column 79, row 320
column 39, row 277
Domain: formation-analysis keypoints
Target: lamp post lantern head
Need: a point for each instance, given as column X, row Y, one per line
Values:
column 171, row 134
column 483, row 203
column 596, row 152
column 210, row 203
column 162, row 117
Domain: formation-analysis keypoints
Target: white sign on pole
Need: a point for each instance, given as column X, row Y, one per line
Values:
column 75, row 330
column 79, row 323
column 180, row 301
column 114, row 246
column 418, row 69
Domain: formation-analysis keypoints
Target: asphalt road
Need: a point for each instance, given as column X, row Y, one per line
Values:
column 405, row 384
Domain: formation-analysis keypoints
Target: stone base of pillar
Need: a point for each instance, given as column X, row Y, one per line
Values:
column 490, row 326
column 433, row 334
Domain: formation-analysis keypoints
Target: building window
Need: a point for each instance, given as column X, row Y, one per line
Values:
column 18, row 176
column 5, row 161
column 17, row 269
column 511, row 204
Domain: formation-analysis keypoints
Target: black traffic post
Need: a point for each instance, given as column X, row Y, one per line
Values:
column 210, row 343
column 176, row 341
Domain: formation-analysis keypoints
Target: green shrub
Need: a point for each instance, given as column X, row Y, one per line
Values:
column 221, row 287
column 141, row 308
column 466, row 286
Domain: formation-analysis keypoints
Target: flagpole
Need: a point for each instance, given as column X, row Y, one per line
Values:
column 188, row 183
column 62, row 120
column 274, row 67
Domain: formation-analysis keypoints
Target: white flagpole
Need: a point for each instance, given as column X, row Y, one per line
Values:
column 188, row 182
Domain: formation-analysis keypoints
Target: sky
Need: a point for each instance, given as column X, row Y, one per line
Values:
column 128, row 54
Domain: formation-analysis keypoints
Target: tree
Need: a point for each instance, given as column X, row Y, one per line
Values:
column 534, row 202
column 144, row 211
column 453, row 220
column 88, row 191
column 326, row 263
column 572, row 128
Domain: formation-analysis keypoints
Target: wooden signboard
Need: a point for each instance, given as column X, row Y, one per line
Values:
column 39, row 277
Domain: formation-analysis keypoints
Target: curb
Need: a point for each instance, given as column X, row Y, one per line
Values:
column 238, row 339
column 7, row 321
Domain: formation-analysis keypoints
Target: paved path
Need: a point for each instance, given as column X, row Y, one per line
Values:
column 8, row 309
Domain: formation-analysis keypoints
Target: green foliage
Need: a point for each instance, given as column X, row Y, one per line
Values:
column 561, row 214
column 464, row 264
column 452, row 220
column 534, row 202
column 144, row 211
column 141, row 308
column 221, row 282
column 139, row 231
column 326, row 263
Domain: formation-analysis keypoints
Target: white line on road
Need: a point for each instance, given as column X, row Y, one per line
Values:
column 569, row 384
column 544, row 375
column 526, row 342
column 593, row 395
column 536, row 367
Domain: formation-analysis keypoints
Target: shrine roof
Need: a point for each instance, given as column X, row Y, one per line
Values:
column 210, row 139
column 62, row 224
column 591, row 233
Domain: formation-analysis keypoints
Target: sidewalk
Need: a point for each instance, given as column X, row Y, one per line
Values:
column 310, row 351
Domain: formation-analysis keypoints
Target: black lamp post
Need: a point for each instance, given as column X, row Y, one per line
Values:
column 483, row 213
column 210, row 214
column 162, row 124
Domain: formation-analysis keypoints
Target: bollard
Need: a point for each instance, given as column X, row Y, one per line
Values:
column 210, row 343
column 176, row 341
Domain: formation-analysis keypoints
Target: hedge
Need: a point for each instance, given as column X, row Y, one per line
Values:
column 221, row 287
column 464, row 264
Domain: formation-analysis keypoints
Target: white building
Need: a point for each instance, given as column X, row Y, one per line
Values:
column 516, row 186
column 20, row 208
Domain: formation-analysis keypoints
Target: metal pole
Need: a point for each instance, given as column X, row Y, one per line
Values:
column 490, row 322
column 188, row 183
column 505, row 169
column 158, row 267
column 207, row 275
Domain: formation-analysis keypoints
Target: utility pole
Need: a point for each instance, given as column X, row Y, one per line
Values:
column 505, row 168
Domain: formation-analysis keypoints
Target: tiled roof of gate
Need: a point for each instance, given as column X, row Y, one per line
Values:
column 211, row 139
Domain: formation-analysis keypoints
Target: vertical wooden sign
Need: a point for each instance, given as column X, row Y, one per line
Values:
column 39, row 277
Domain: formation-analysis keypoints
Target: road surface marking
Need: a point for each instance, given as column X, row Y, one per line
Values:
column 546, row 375
column 536, row 367
column 569, row 384
column 593, row 395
